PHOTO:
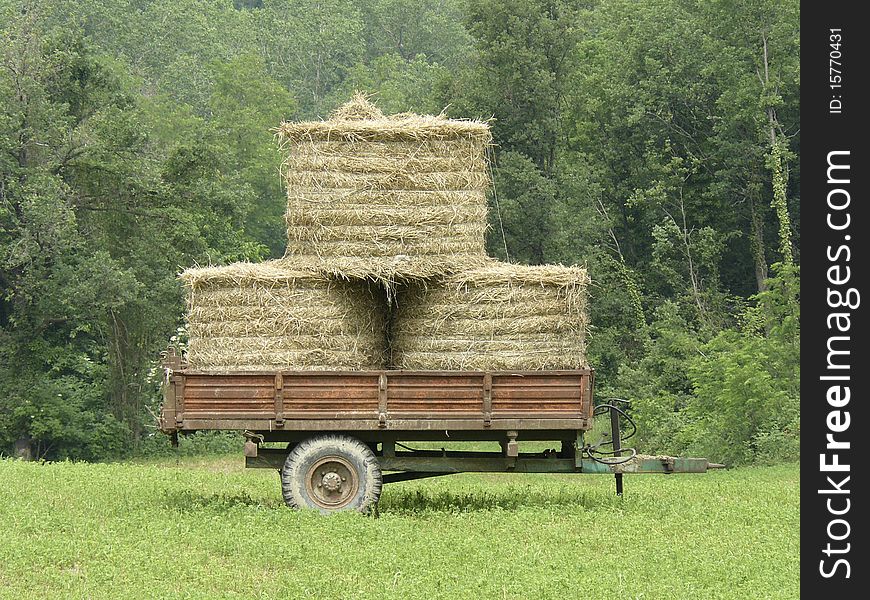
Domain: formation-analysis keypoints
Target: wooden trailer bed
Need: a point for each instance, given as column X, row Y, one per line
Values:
column 336, row 436
column 474, row 404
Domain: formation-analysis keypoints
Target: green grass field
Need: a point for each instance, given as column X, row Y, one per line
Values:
column 207, row 528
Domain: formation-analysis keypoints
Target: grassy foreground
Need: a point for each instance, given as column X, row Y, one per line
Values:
column 206, row 528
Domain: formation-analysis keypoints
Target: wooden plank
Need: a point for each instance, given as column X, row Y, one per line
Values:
column 573, row 393
column 542, row 412
column 477, row 402
column 428, row 414
column 342, row 402
column 329, row 379
column 340, row 393
column 537, row 383
column 437, row 404
column 210, row 407
column 223, row 381
column 291, row 409
column 218, row 393
column 267, row 414
column 572, row 414
column 402, row 393
column 459, row 381
column 533, row 404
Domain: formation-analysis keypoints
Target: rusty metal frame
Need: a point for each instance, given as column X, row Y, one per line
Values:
column 382, row 399
column 487, row 399
column 424, row 463
column 436, row 373
column 391, row 436
column 171, row 412
column 279, row 399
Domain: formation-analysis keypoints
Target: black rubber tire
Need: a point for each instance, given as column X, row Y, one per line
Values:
column 306, row 454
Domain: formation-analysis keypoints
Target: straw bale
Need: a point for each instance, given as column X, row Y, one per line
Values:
column 358, row 108
column 337, row 181
column 417, row 157
column 387, row 270
column 282, row 315
column 494, row 317
column 371, row 200
column 388, row 197
column 360, row 120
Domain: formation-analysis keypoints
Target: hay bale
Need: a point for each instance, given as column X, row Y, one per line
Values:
column 497, row 317
column 277, row 315
column 386, row 196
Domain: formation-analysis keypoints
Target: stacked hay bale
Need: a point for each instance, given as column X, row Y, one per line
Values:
column 495, row 317
column 386, row 197
column 276, row 315
column 397, row 200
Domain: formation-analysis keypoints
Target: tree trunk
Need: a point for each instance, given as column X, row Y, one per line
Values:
column 757, row 242
column 694, row 278
column 780, row 200
column 23, row 449
column 778, row 165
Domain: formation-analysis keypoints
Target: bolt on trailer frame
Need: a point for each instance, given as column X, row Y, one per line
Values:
column 371, row 413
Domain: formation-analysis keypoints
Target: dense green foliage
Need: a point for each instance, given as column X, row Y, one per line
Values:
column 207, row 528
column 657, row 142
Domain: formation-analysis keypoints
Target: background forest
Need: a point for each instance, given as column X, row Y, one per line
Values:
column 656, row 142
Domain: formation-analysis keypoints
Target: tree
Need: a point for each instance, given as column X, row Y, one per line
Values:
column 97, row 219
column 310, row 45
column 760, row 124
column 524, row 50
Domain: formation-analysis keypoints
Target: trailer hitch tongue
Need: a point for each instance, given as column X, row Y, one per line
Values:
column 252, row 443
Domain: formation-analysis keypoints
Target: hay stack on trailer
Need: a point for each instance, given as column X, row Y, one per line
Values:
column 386, row 197
column 276, row 315
column 401, row 200
column 496, row 317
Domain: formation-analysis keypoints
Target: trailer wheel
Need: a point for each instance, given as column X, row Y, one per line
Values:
column 331, row 473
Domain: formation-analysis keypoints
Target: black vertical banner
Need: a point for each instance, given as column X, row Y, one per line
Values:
column 834, row 301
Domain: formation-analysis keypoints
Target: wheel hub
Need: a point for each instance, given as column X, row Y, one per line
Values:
column 332, row 482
